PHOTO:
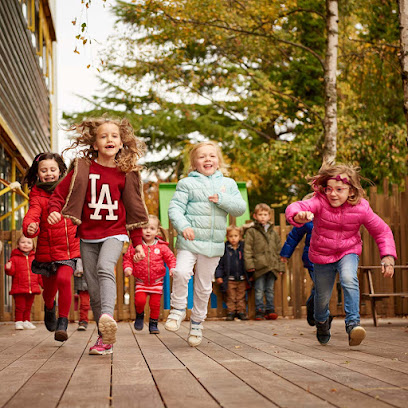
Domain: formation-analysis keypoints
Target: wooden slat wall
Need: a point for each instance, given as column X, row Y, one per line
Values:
column 293, row 288
column 24, row 102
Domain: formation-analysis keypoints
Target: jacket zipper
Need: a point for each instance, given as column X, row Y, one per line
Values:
column 66, row 235
column 148, row 264
column 212, row 214
column 29, row 275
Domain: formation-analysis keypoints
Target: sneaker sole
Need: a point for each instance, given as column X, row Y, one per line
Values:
column 357, row 335
column 108, row 329
column 194, row 341
column 81, row 328
column 177, row 323
column 100, row 353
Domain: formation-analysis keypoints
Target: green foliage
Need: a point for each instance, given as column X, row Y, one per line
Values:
column 250, row 75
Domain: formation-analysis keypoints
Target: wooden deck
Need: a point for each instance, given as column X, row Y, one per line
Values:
column 239, row 364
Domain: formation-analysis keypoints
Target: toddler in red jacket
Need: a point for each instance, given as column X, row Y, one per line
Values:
column 25, row 284
column 149, row 272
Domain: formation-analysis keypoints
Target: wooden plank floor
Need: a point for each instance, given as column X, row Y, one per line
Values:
column 239, row 364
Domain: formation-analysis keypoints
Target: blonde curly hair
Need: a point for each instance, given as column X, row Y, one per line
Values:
column 126, row 158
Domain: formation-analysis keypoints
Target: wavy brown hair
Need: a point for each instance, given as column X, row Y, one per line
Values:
column 126, row 158
column 319, row 182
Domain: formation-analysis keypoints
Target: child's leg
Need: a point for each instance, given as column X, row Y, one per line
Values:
column 140, row 301
column 347, row 267
column 259, row 293
column 181, row 276
column 84, row 305
column 64, row 273
column 325, row 275
column 19, row 303
column 270, row 291
column 154, row 304
column 231, row 297
column 29, row 300
column 204, row 274
column 50, row 290
column 241, row 290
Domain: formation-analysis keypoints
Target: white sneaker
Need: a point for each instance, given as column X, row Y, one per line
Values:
column 19, row 325
column 174, row 319
column 28, row 325
column 195, row 336
column 107, row 327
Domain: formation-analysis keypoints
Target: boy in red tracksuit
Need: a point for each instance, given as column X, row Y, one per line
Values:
column 149, row 273
column 25, row 284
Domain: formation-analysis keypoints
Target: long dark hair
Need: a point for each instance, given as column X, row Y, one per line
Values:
column 31, row 176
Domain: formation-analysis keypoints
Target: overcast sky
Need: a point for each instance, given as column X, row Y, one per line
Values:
column 73, row 76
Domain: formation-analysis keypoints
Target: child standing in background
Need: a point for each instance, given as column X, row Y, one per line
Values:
column 198, row 211
column 57, row 245
column 261, row 254
column 25, row 284
column 81, row 288
column 149, row 272
column 103, row 194
column 293, row 239
column 232, row 276
column 338, row 210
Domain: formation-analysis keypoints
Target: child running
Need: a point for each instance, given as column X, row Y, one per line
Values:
column 25, row 284
column 149, row 272
column 103, row 195
column 57, row 245
column 338, row 210
column 198, row 211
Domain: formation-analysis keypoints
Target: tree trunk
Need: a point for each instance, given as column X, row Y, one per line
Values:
column 330, row 63
column 403, row 20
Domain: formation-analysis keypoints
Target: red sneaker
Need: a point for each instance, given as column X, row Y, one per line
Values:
column 271, row 316
column 100, row 348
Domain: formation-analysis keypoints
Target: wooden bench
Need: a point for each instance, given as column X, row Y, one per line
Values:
column 378, row 296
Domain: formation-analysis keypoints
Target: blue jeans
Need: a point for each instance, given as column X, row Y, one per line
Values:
column 264, row 285
column 312, row 292
column 325, row 275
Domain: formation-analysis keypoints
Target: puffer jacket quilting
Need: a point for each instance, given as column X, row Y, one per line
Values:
column 24, row 280
column 151, row 269
column 55, row 242
column 190, row 207
column 336, row 230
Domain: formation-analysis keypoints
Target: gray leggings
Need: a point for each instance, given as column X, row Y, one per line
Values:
column 99, row 262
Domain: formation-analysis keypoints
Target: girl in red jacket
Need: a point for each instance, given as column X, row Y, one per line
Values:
column 25, row 284
column 149, row 272
column 57, row 246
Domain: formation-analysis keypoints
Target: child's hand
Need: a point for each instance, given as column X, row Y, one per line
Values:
column 188, row 234
column 283, row 259
column 302, row 217
column 219, row 281
column 387, row 266
column 139, row 253
column 8, row 265
column 54, row 217
column 33, row 228
column 127, row 271
column 171, row 272
column 213, row 198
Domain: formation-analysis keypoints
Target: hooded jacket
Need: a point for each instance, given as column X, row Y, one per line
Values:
column 56, row 242
column 336, row 230
column 190, row 207
column 24, row 281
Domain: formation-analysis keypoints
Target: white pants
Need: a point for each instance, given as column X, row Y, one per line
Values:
column 203, row 277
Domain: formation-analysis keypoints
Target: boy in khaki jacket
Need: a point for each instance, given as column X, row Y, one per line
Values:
column 261, row 254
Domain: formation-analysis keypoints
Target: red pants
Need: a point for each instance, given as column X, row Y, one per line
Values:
column 23, row 303
column 154, row 303
column 61, row 283
column 84, row 305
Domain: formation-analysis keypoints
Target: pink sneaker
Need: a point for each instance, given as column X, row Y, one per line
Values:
column 100, row 348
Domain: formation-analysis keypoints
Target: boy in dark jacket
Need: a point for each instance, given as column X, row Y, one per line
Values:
column 231, row 274
column 261, row 254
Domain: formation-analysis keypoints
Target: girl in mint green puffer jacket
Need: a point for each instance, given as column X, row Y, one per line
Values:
column 198, row 211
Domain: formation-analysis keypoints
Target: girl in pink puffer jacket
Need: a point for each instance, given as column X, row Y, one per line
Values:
column 149, row 272
column 338, row 209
